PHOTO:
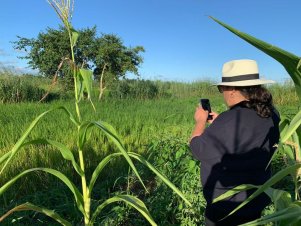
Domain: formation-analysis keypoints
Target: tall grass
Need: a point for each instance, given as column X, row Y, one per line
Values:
column 26, row 88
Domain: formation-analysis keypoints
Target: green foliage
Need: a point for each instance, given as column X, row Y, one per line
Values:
column 24, row 88
column 51, row 48
column 142, row 124
column 82, row 79
column 115, row 58
column 287, row 208
column 284, row 94
column 136, row 89
column 173, row 158
column 48, row 50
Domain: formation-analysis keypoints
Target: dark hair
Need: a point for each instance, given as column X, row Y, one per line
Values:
column 259, row 99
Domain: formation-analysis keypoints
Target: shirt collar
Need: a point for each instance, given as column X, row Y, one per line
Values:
column 241, row 104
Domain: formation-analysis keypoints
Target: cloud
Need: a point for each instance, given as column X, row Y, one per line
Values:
column 9, row 62
column 3, row 53
column 10, row 67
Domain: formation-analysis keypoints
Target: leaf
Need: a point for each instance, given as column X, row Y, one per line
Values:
column 74, row 38
column 79, row 85
column 291, row 215
column 110, row 132
column 83, row 129
column 293, row 126
column 99, row 168
column 5, row 156
column 283, row 125
column 77, row 195
column 128, row 199
column 191, row 165
column 29, row 206
column 20, row 142
column 234, row 191
column 281, row 199
column 273, row 180
column 110, row 157
column 161, row 176
column 289, row 152
column 87, row 82
column 289, row 61
column 66, row 153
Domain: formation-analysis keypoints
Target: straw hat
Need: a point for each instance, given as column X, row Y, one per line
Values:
column 242, row 73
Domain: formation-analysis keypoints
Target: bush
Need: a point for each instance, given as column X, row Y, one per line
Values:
column 25, row 88
column 137, row 89
column 16, row 89
column 173, row 158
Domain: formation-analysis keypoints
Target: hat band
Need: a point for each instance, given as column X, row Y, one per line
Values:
column 240, row 78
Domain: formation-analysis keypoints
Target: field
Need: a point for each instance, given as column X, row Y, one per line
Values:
column 158, row 128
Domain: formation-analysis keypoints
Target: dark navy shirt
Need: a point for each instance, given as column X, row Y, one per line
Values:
column 235, row 149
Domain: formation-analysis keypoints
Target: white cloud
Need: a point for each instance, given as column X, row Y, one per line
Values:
column 3, row 53
column 9, row 62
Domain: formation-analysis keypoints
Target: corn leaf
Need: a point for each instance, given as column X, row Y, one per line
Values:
column 273, row 180
column 111, row 133
column 83, row 129
column 281, row 199
column 128, row 199
column 4, row 157
column 65, row 151
column 108, row 158
column 283, row 125
column 29, row 206
column 160, row 175
column 289, row 61
column 289, row 152
column 99, row 168
column 77, row 195
column 74, row 38
column 290, row 216
column 79, row 85
column 87, row 82
column 20, row 142
column 234, row 191
column 293, row 126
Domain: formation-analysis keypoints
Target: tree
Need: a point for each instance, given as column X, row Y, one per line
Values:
column 105, row 54
column 113, row 60
column 49, row 49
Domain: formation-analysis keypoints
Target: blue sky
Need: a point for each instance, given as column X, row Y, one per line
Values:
column 181, row 42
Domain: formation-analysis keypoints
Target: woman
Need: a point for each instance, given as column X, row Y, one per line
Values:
column 238, row 144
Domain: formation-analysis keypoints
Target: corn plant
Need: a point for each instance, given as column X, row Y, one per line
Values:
column 82, row 79
column 287, row 206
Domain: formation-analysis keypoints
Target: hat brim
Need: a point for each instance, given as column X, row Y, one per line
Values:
column 254, row 82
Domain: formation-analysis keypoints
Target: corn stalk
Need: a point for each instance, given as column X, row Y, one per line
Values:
column 82, row 82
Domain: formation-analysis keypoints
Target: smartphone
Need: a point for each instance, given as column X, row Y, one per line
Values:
column 206, row 106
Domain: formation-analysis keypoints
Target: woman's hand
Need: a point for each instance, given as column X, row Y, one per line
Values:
column 200, row 115
column 214, row 116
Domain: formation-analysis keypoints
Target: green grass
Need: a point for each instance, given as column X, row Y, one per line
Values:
column 140, row 124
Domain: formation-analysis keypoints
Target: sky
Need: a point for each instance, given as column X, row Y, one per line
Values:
column 181, row 42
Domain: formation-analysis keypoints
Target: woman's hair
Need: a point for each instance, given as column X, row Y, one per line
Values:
column 259, row 99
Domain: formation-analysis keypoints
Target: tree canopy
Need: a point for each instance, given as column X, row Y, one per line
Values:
column 105, row 53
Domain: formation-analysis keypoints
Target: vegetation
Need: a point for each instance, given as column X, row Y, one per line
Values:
column 287, row 202
column 106, row 55
column 82, row 80
column 154, row 120
column 158, row 129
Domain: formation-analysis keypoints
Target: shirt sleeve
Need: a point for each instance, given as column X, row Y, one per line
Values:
column 215, row 140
